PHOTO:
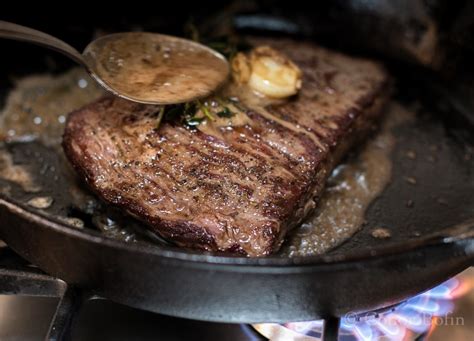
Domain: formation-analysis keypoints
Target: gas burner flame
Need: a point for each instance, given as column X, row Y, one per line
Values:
column 417, row 316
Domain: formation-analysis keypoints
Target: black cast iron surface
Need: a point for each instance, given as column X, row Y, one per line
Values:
column 431, row 240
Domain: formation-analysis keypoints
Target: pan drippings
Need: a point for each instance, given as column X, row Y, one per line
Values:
column 37, row 107
column 16, row 174
column 352, row 187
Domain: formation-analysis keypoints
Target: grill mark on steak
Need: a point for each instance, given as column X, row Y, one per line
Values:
column 242, row 193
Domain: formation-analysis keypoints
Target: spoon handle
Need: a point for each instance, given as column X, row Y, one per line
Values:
column 17, row 32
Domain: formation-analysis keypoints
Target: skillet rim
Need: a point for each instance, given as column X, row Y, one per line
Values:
column 463, row 232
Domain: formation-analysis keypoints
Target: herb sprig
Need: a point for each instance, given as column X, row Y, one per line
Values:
column 194, row 113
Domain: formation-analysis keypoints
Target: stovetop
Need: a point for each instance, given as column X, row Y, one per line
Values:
column 24, row 317
column 28, row 318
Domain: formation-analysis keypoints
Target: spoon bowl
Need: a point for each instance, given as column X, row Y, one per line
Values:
column 155, row 68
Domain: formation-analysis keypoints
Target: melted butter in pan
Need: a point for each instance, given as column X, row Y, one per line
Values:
column 254, row 102
column 38, row 105
column 350, row 190
column 16, row 174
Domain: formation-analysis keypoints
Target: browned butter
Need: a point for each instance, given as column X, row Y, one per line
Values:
column 154, row 68
column 351, row 188
column 38, row 105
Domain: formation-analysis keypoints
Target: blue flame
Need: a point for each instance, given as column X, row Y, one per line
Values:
column 413, row 316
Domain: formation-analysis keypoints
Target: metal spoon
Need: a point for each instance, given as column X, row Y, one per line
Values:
column 141, row 67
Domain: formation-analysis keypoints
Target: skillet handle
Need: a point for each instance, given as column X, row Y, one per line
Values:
column 17, row 32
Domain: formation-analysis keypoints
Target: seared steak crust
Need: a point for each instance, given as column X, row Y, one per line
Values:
column 240, row 193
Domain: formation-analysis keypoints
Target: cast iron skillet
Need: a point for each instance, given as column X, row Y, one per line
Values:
column 432, row 239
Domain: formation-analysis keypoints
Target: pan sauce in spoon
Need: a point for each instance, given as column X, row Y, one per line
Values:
column 154, row 68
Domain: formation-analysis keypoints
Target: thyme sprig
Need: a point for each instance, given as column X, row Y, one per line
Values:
column 205, row 110
column 227, row 45
column 194, row 113
column 161, row 113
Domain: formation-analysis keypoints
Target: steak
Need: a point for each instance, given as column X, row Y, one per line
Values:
column 242, row 191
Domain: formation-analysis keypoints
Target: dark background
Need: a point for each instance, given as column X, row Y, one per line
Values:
column 395, row 28
column 437, row 34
